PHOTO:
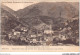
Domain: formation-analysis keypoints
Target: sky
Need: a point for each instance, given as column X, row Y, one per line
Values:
column 17, row 6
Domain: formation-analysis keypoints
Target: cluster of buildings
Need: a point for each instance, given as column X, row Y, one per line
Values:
column 34, row 36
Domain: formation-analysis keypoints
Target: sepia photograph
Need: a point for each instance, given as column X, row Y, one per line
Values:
column 40, row 24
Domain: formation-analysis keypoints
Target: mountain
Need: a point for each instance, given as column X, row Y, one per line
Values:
column 8, row 9
column 8, row 20
column 53, row 9
column 49, row 13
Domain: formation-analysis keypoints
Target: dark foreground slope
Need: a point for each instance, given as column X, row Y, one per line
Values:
column 8, row 19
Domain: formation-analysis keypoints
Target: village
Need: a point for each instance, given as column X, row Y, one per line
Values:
column 41, row 36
